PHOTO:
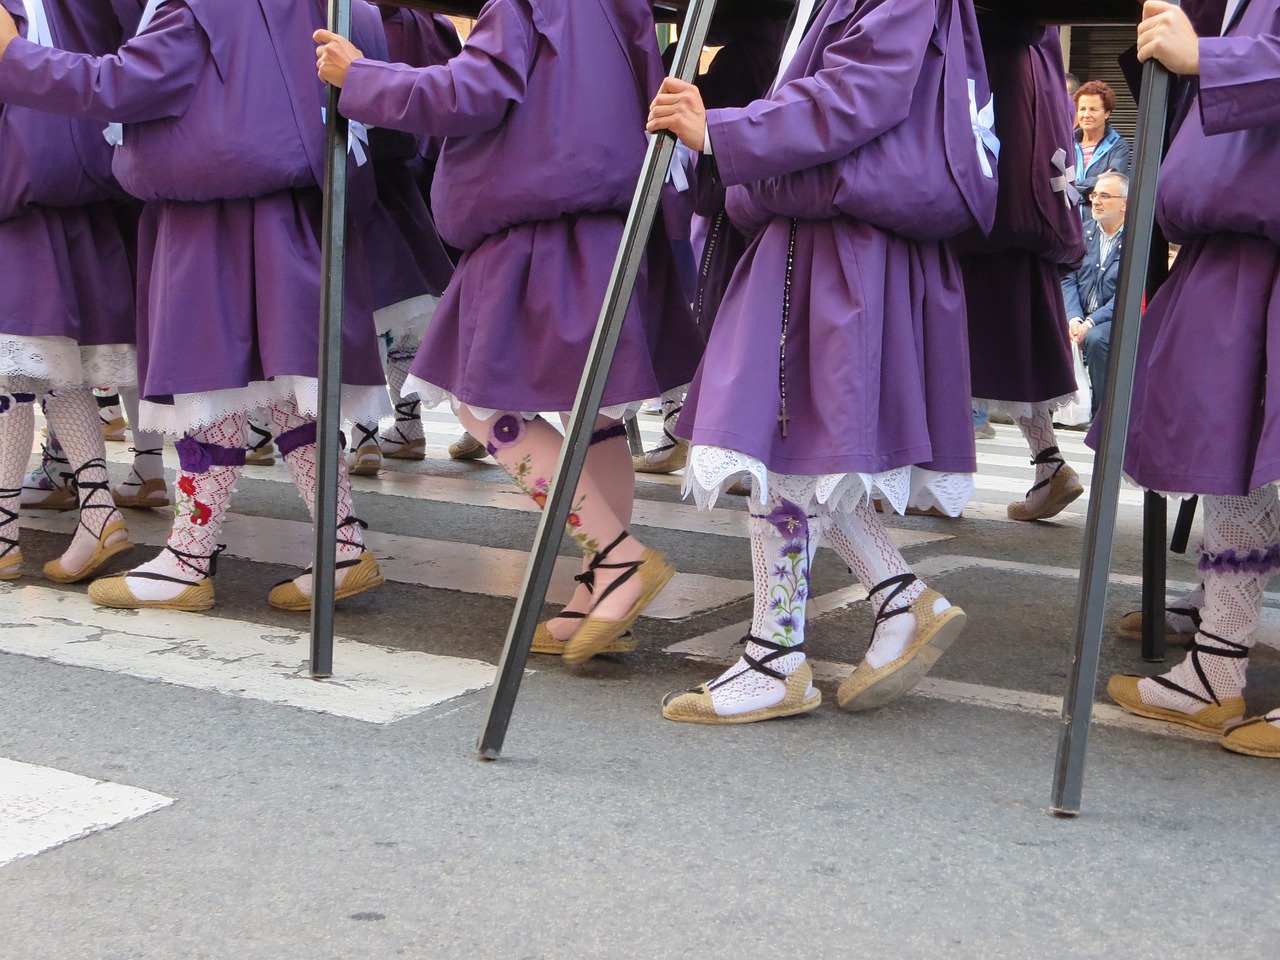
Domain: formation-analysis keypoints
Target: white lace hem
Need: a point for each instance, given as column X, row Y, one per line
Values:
column 40, row 364
column 1018, row 410
column 432, row 396
column 408, row 318
column 711, row 468
column 192, row 411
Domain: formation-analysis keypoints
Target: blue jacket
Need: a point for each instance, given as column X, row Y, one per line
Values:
column 1093, row 283
column 1111, row 153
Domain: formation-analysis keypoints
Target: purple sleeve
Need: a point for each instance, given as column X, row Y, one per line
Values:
column 863, row 89
column 1239, row 83
column 470, row 94
column 152, row 77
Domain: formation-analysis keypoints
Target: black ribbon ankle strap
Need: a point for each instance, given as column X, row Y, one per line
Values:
column 776, row 652
column 8, row 516
column 367, row 436
column 157, row 452
column 352, row 522
column 608, row 433
column 588, row 577
column 899, row 582
column 1232, row 651
column 406, row 410
column 1047, row 455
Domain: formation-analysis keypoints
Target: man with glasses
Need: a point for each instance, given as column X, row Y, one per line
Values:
column 1090, row 292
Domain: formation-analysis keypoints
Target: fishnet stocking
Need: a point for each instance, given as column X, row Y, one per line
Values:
column 861, row 541
column 73, row 413
column 200, row 505
column 1038, row 431
column 408, row 425
column 670, row 442
column 17, row 423
column 1237, row 557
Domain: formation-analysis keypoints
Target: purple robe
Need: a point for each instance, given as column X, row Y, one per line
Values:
column 875, row 350
column 1206, row 414
column 224, row 139
column 536, row 203
column 1020, row 351
column 64, row 259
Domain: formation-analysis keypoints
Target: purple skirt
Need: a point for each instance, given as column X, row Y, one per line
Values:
column 1019, row 349
column 876, row 355
column 67, row 273
column 1206, row 416
column 229, row 294
column 514, row 328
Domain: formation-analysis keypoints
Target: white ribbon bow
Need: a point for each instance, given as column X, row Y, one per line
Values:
column 37, row 23
column 357, row 138
column 1062, row 183
column 677, row 169
column 983, row 123
column 114, row 133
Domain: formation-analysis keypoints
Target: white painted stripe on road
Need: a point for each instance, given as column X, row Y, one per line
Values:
column 41, row 808
column 258, row 661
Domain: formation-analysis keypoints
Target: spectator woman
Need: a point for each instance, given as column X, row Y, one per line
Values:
column 1099, row 147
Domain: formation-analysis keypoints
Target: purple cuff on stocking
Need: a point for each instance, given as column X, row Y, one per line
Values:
column 1232, row 561
column 195, row 456
column 291, row 440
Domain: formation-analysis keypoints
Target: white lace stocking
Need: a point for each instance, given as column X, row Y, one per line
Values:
column 74, row 415
column 670, row 442
column 1241, row 549
column 148, row 445
column 17, row 422
column 1037, row 429
column 408, row 425
column 861, row 541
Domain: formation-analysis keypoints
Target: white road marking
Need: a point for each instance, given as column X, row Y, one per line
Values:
column 261, row 662
column 41, row 808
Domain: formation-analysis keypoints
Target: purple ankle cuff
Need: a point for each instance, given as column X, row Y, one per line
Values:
column 1232, row 561
column 291, row 440
column 197, row 457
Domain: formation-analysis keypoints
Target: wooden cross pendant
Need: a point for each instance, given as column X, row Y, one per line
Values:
column 782, row 419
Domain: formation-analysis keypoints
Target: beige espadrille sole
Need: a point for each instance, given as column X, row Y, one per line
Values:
column 363, row 575
column 695, row 706
column 113, row 430
column 596, row 633
column 1253, row 738
column 55, row 571
column 58, row 498
column 151, row 493
column 264, row 456
column 114, row 592
column 366, row 461
column 407, row 450
column 11, row 565
column 869, row 687
column 1064, row 489
column 545, row 642
column 1214, row 718
column 1129, row 627
column 675, row 460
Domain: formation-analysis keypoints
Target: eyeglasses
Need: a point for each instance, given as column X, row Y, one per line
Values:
column 1106, row 196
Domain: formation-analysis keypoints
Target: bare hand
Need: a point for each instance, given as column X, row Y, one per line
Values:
column 1166, row 34
column 8, row 30
column 1078, row 329
column 334, row 56
column 678, row 108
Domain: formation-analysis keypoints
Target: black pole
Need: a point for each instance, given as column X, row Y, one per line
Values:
column 1155, row 523
column 586, row 406
column 1182, row 526
column 1100, row 526
column 329, row 370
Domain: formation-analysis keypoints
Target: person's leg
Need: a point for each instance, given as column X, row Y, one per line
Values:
column 1056, row 484
column 260, row 447
column 405, row 440
column 366, row 454
column 144, row 487
column 771, row 678
column 356, row 569
column 982, row 428
column 1181, row 618
column 1241, row 549
column 49, row 486
column 913, row 624
column 210, row 460
column 109, row 414
column 672, row 453
column 101, row 532
column 17, row 424
column 1096, row 350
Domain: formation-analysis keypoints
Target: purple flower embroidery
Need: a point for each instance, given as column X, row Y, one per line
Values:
column 788, row 519
column 786, row 621
column 792, row 549
column 508, row 430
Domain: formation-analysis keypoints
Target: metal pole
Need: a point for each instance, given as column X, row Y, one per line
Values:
column 329, row 370
column 1155, row 523
column 586, row 406
column 634, row 441
column 1182, row 526
column 1077, row 706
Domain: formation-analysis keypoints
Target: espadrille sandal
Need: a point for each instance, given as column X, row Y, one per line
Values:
column 1064, row 487
column 352, row 576
column 544, row 641
column 134, row 492
column 10, row 555
column 1130, row 625
column 670, row 455
column 1256, row 737
column 397, row 445
column 194, row 598
column 103, row 550
column 366, row 457
column 869, row 686
column 596, row 633
column 50, row 486
column 261, row 452
column 1214, row 716
column 800, row 695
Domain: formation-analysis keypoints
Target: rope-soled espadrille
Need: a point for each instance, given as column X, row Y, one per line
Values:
column 357, row 575
column 1212, row 717
column 545, row 642
column 696, row 706
column 115, row 592
column 1255, row 737
column 597, row 633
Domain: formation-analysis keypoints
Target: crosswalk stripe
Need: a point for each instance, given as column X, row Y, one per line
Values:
column 41, row 808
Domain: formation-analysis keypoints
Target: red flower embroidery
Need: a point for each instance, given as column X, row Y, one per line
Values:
column 187, row 486
column 540, row 499
column 200, row 514
column 575, row 520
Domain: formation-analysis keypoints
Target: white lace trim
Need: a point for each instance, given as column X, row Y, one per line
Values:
column 433, row 396
column 408, row 317
column 1018, row 410
column 192, row 411
column 711, row 468
column 39, row 364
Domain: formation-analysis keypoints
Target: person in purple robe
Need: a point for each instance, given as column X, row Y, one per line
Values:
column 1205, row 417
column 1020, row 349
column 223, row 138
column 66, row 297
column 838, row 359
column 542, row 116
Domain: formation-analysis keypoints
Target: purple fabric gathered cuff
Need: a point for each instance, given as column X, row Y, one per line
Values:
column 1232, row 561
column 195, row 456
column 291, row 440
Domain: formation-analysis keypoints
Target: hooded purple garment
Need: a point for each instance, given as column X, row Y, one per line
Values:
column 1205, row 416
column 224, row 138
column 65, row 262
column 537, row 203
column 875, row 357
column 1019, row 348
